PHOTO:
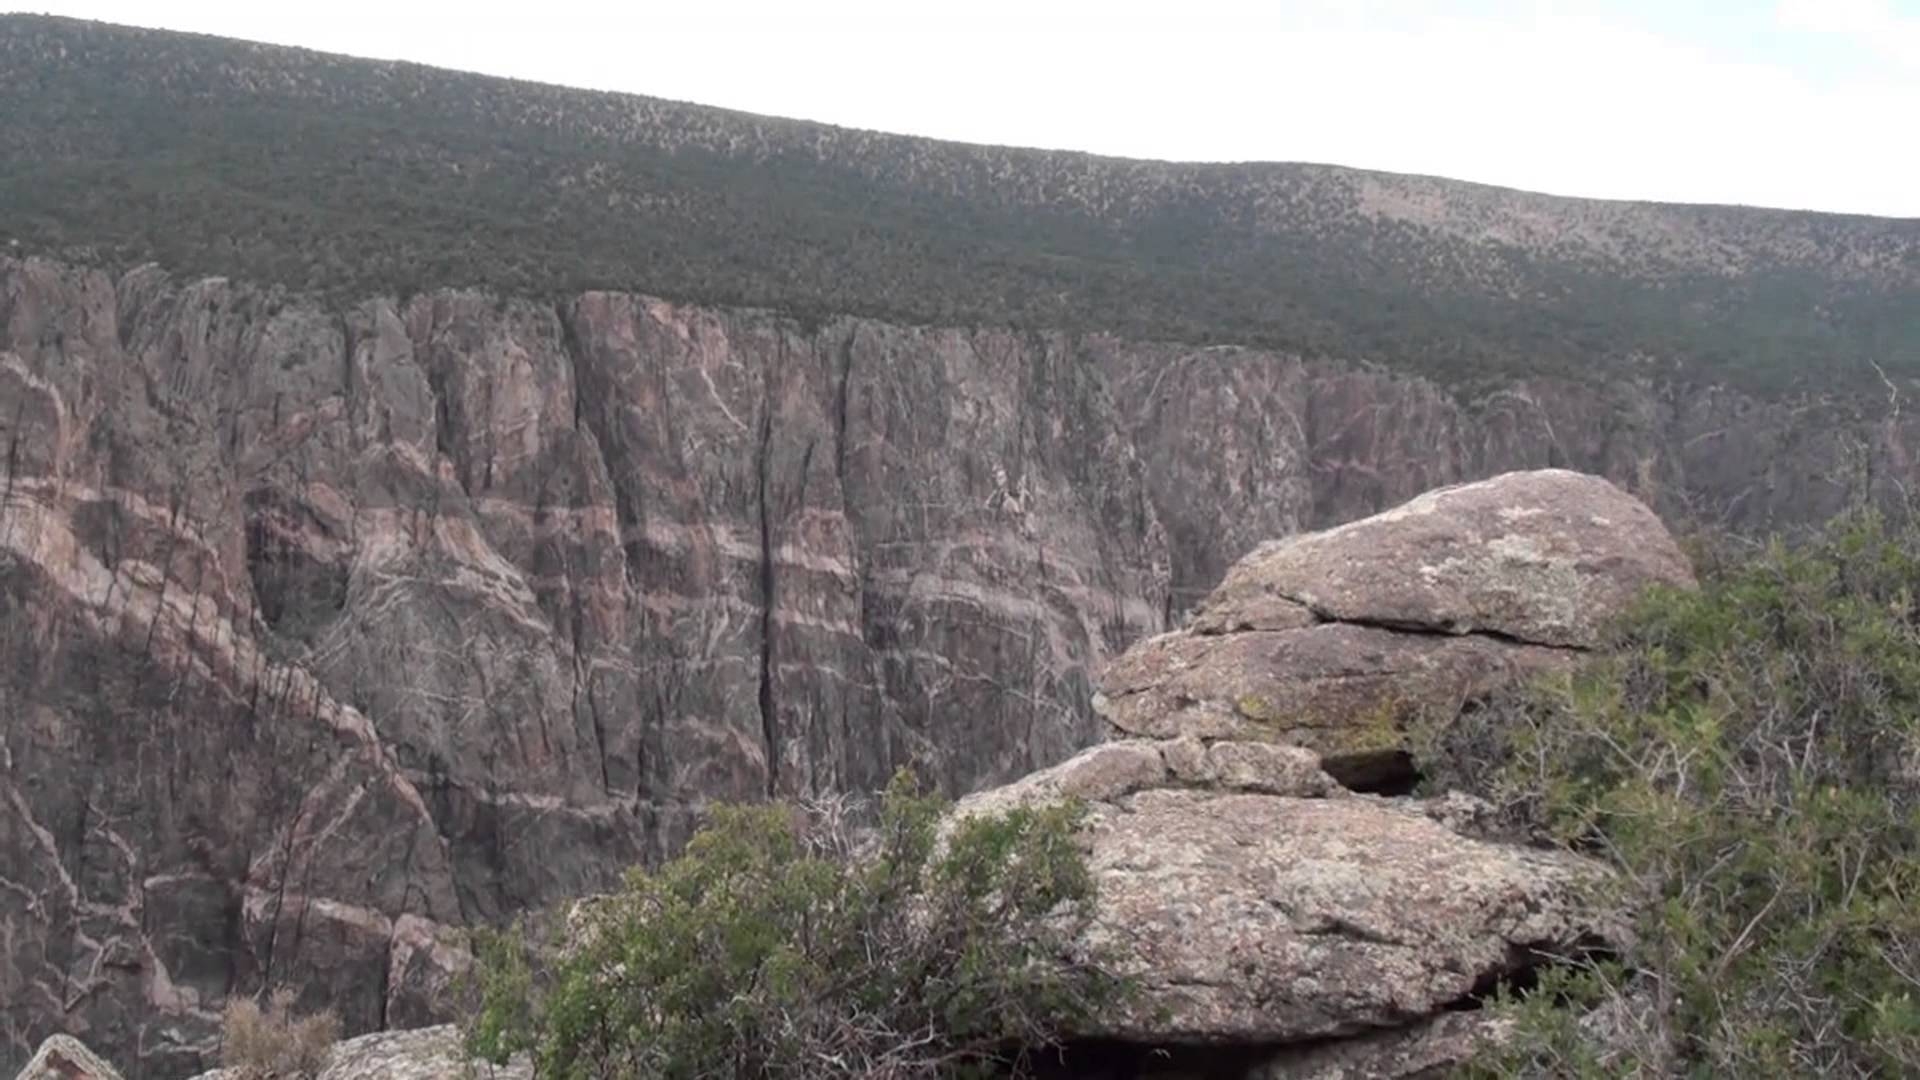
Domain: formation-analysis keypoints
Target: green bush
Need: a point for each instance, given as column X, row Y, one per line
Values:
column 778, row 946
column 1746, row 756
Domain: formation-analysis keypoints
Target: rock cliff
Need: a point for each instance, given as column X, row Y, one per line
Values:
column 326, row 628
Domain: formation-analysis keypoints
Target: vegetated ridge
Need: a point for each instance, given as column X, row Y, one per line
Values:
column 351, row 177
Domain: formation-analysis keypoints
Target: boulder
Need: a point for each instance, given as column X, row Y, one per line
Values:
column 1340, row 641
column 432, row 1053
column 63, row 1057
column 1254, row 919
column 1275, row 909
column 1254, row 902
column 1545, row 557
column 1345, row 691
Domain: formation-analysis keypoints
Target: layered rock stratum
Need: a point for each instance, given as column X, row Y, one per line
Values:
column 327, row 628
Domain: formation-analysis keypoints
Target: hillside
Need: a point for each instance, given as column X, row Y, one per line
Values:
column 350, row 177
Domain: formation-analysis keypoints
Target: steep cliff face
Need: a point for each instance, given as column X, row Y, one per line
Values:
column 324, row 628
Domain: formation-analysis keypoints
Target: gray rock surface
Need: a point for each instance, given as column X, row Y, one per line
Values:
column 1543, row 557
column 1339, row 640
column 63, row 1057
column 1287, row 910
column 1424, row 1051
column 1346, row 691
column 1272, row 919
column 1260, row 906
column 432, row 1053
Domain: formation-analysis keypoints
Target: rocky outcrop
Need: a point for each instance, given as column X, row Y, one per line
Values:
column 431, row 1053
column 324, row 628
column 1254, row 903
column 63, row 1057
column 1338, row 640
column 1260, row 906
column 1543, row 558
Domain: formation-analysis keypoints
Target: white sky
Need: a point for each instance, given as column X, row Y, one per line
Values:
column 1795, row 103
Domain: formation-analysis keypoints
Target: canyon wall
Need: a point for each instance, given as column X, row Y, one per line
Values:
column 326, row 629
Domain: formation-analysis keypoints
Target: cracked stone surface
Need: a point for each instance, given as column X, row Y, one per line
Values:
column 327, row 628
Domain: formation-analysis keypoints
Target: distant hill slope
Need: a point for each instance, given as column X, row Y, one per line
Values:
column 347, row 176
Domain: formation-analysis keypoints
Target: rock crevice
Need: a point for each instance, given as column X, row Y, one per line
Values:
column 451, row 607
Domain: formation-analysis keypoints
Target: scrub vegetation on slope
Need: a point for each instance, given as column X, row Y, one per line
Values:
column 326, row 173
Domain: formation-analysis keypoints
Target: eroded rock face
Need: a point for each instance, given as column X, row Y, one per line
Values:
column 1343, row 690
column 1337, row 640
column 326, row 628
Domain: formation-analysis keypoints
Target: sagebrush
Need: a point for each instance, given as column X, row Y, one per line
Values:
column 782, row 945
column 275, row 1041
column 1748, row 756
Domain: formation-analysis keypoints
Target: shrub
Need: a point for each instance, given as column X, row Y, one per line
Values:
column 273, row 1042
column 777, row 946
column 1745, row 755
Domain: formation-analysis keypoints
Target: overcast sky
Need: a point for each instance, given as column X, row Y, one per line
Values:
column 1795, row 103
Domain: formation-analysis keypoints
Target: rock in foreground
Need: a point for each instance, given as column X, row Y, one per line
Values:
column 426, row 1054
column 1264, row 908
column 1257, row 903
column 63, row 1057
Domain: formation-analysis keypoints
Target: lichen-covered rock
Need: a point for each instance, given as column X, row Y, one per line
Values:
column 1258, row 919
column 63, row 1057
column 1341, row 640
column 1257, row 904
column 1546, row 557
column 1347, row 692
column 1266, row 912
column 432, row 1053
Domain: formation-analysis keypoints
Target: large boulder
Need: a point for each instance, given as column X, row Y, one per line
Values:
column 1340, row 640
column 1273, row 904
column 1545, row 557
column 63, row 1057
column 1255, row 902
column 1252, row 918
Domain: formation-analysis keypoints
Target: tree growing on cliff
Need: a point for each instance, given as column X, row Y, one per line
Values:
column 779, row 945
column 1749, row 757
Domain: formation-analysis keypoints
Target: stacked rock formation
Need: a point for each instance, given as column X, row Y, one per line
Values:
column 1258, row 899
